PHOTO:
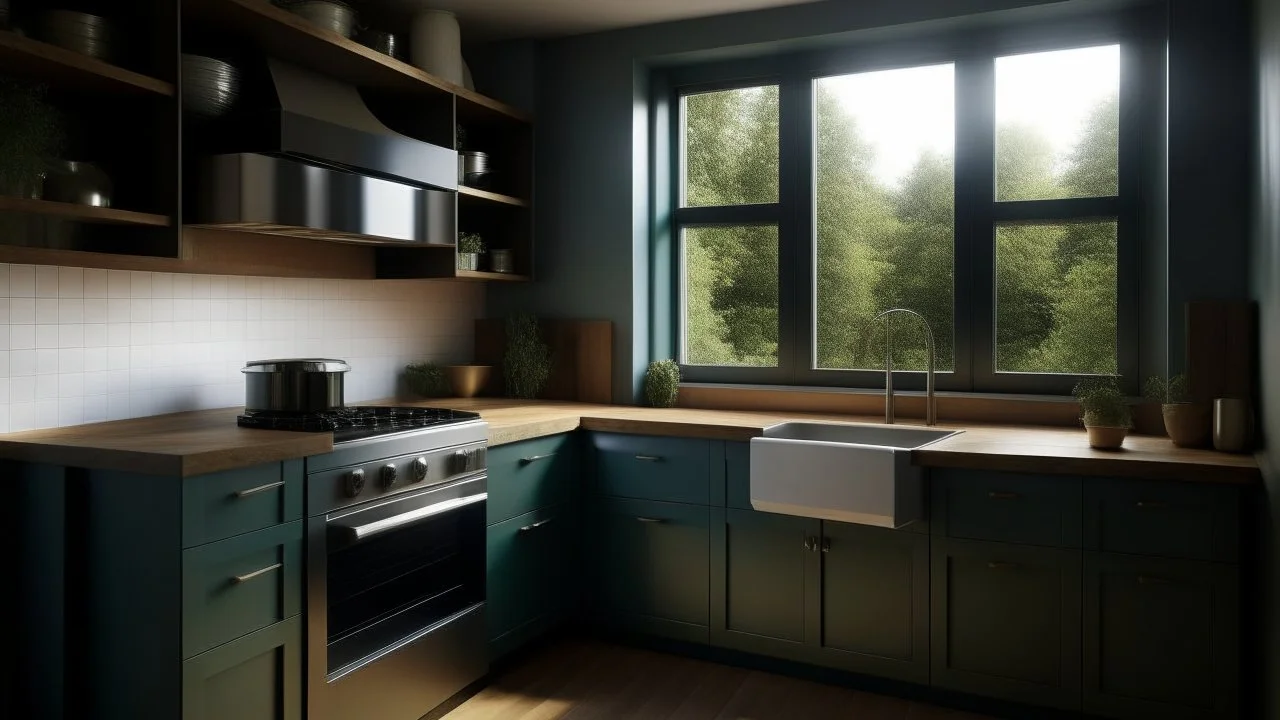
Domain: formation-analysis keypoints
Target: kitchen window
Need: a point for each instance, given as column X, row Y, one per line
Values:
column 992, row 192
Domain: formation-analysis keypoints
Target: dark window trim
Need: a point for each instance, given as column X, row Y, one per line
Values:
column 972, row 51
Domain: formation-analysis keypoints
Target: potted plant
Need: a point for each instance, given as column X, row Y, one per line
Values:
column 662, row 383
column 1187, row 423
column 31, row 136
column 1105, row 412
column 427, row 380
column 470, row 248
column 526, row 366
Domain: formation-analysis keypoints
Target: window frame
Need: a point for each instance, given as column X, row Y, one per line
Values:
column 973, row 53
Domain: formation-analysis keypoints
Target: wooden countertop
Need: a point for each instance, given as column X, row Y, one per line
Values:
column 195, row 443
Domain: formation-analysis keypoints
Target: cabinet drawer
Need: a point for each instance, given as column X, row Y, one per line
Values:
column 654, row 559
column 239, row 585
column 1161, row 638
column 1177, row 520
column 1007, row 507
column 230, row 503
column 530, row 568
column 529, row 475
column 258, row 677
column 653, row 468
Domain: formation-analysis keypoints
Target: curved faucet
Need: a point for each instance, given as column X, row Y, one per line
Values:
column 931, row 400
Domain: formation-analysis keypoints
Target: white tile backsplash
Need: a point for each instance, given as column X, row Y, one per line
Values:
column 82, row 346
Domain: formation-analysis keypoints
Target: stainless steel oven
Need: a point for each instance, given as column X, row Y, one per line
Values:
column 396, row 574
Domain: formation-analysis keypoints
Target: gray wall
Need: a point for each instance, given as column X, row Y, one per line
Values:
column 592, row 142
column 1266, row 290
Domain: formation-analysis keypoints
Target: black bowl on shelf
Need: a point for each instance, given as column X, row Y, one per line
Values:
column 210, row 87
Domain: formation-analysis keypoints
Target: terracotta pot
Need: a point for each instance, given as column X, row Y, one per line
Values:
column 1189, row 425
column 467, row 380
column 1106, row 438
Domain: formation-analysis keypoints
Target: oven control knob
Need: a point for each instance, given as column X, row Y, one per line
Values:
column 420, row 469
column 355, row 483
column 388, row 476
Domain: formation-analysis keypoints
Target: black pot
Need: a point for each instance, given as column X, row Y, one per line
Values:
column 301, row 385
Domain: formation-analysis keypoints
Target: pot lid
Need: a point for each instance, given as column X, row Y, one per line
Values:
column 296, row 365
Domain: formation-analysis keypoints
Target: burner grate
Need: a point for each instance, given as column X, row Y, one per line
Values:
column 367, row 421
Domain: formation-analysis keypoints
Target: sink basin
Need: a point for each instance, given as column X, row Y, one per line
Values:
column 841, row 471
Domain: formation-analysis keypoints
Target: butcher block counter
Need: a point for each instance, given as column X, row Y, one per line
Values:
column 196, row 443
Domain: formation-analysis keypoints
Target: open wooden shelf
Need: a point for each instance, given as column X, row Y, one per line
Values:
column 282, row 34
column 479, row 194
column 83, row 213
column 21, row 56
column 482, row 275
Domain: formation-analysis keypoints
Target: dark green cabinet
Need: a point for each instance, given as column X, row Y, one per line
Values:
column 1160, row 638
column 658, row 468
column 532, row 571
column 763, row 566
column 875, row 601
column 257, row 677
column 1005, row 621
column 653, row 561
column 1008, row 507
column 532, row 474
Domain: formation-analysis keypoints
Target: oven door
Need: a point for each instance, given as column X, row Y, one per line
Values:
column 396, row 591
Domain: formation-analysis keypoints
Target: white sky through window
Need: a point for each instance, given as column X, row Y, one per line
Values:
column 905, row 112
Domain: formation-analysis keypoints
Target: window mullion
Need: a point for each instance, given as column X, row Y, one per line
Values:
column 975, row 232
column 795, row 332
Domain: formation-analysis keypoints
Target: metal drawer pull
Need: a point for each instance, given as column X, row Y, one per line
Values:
column 256, row 490
column 1152, row 504
column 649, row 458
column 1153, row 580
column 536, row 458
column 1002, row 495
column 826, row 545
column 650, row 520
column 811, row 544
column 995, row 565
column 536, row 525
column 249, row 576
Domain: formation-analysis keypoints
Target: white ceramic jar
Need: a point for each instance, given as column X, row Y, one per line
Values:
column 436, row 45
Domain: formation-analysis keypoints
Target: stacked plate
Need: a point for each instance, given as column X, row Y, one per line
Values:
column 79, row 32
column 209, row 86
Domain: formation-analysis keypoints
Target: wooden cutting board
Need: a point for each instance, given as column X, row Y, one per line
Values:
column 581, row 358
column 1221, row 349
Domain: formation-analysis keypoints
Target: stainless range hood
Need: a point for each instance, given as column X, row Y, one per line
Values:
column 322, row 166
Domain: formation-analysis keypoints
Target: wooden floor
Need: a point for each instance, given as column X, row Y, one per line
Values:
column 583, row 680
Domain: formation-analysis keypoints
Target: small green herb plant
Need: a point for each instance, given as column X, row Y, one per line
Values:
column 1172, row 391
column 428, row 380
column 662, row 383
column 1102, row 404
column 31, row 135
column 470, row 243
column 526, row 366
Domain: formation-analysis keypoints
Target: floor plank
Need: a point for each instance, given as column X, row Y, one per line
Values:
column 588, row 680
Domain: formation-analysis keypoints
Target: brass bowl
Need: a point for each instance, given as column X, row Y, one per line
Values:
column 467, row 380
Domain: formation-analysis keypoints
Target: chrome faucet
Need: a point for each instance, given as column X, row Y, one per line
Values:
column 931, row 400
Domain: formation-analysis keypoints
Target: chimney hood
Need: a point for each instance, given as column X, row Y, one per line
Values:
column 322, row 166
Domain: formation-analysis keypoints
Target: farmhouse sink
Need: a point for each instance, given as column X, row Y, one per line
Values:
column 837, row 471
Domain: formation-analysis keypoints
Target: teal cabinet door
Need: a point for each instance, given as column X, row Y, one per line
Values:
column 1168, row 519
column 1007, row 507
column 1005, row 621
column 875, row 601
column 221, row 505
column 761, row 568
column 1160, row 638
column 258, row 677
column 531, row 581
column 737, row 463
column 533, row 474
column 657, row 468
column 654, row 564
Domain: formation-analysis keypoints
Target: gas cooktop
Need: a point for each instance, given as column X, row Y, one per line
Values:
column 356, row 423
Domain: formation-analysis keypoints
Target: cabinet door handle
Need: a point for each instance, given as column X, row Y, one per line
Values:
column 826, row 545
column 1153, row 580
column 237, row 579
column 649, row 458
column 811, row 544
column 536, row 525
column 1152, row 504
column 1003, row 495
column 536, row 458
column 255, row 490
column 650, row 520
column 997, row 565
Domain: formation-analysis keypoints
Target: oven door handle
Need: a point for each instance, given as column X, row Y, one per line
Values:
column 356, row 533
